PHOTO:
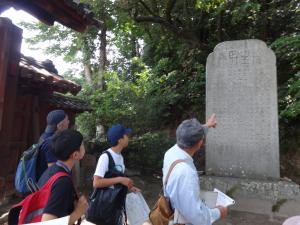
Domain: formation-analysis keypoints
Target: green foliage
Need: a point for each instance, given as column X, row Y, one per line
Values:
column 287, row 50
column 292, row 99
column 147, row 151
column 156, row 74
column 144, row 152
column 208, row 5
column 61, row 41
column 276, row 207
column 117, row 104
column 232, row 191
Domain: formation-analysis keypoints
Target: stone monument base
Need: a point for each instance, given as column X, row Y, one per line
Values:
column 274, row 198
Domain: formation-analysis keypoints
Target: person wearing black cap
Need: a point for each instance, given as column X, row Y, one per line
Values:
column 57, row 120
column 183, row 187
column 117, row 137
column 68, row 148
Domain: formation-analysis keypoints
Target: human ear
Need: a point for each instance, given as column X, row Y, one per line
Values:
column 200, row 143
column 76, row 155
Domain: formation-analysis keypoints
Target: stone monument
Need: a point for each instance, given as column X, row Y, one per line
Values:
column 241, row 89
column 242, row 153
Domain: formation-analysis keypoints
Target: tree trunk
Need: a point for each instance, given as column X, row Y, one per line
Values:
column 134, row 51
column 102, row 59
column 88, row 74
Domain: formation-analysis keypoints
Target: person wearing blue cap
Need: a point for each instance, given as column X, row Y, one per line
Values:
column 57, row 120
column 105, row 175
column 118, row 139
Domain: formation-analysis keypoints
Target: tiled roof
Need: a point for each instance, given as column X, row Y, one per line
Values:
column 67, row 102
column 44, row 73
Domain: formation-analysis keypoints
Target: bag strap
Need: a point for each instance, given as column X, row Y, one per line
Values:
column 53, row 179
column 111, row 162
column 48, row 185
column 170, row 170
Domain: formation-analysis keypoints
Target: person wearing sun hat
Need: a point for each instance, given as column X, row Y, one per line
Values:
column 57, row 120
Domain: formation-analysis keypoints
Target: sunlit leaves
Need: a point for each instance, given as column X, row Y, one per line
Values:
column 208, row 5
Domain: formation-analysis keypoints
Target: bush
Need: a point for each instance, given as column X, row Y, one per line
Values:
column 145, row 152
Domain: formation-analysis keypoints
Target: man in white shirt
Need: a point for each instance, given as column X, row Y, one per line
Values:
column 183, row 187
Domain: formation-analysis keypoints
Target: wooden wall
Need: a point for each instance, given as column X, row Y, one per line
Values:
column 22, row 113
column 10, row 143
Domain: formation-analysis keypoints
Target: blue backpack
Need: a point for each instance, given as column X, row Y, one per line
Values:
column 25, row 178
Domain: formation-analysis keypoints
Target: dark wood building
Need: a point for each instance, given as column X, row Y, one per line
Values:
column 30, row 89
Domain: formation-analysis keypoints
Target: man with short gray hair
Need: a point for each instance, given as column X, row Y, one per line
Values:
column 183, row 187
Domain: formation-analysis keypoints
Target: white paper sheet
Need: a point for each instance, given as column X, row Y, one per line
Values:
column 136, row 208
column 209, row 198
column 223, row 199
column 59, row 221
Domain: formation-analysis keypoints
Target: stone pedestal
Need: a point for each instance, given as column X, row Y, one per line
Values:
column 279, row 198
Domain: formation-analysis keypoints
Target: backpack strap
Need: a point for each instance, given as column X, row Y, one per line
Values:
column 52, row 179
column 26, row 218
column 31, row 184
column 111, row 162
column 170, row 170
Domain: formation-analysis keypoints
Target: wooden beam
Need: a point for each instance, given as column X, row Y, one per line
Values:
column 5, row 31
column 68, row 13
column 35, row 10
column 68, row 16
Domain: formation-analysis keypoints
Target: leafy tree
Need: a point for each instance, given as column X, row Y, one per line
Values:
column 154, row 74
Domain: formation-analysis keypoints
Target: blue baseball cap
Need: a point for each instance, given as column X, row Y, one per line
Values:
column 53, row 118
column 116, row 132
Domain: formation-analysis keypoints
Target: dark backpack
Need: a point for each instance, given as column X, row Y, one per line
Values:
column 30, row 210
column 25, row 178
column 107, row 205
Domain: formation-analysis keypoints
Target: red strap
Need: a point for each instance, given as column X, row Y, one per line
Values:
column 33, row 213
column 48, row 184
column 53, row 179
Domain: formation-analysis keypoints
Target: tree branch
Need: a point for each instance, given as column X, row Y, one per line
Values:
column 151, row 19
column 169, row 8
column 180, row 32
column 147, row 8
column 154, row 6
column 102, row 58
